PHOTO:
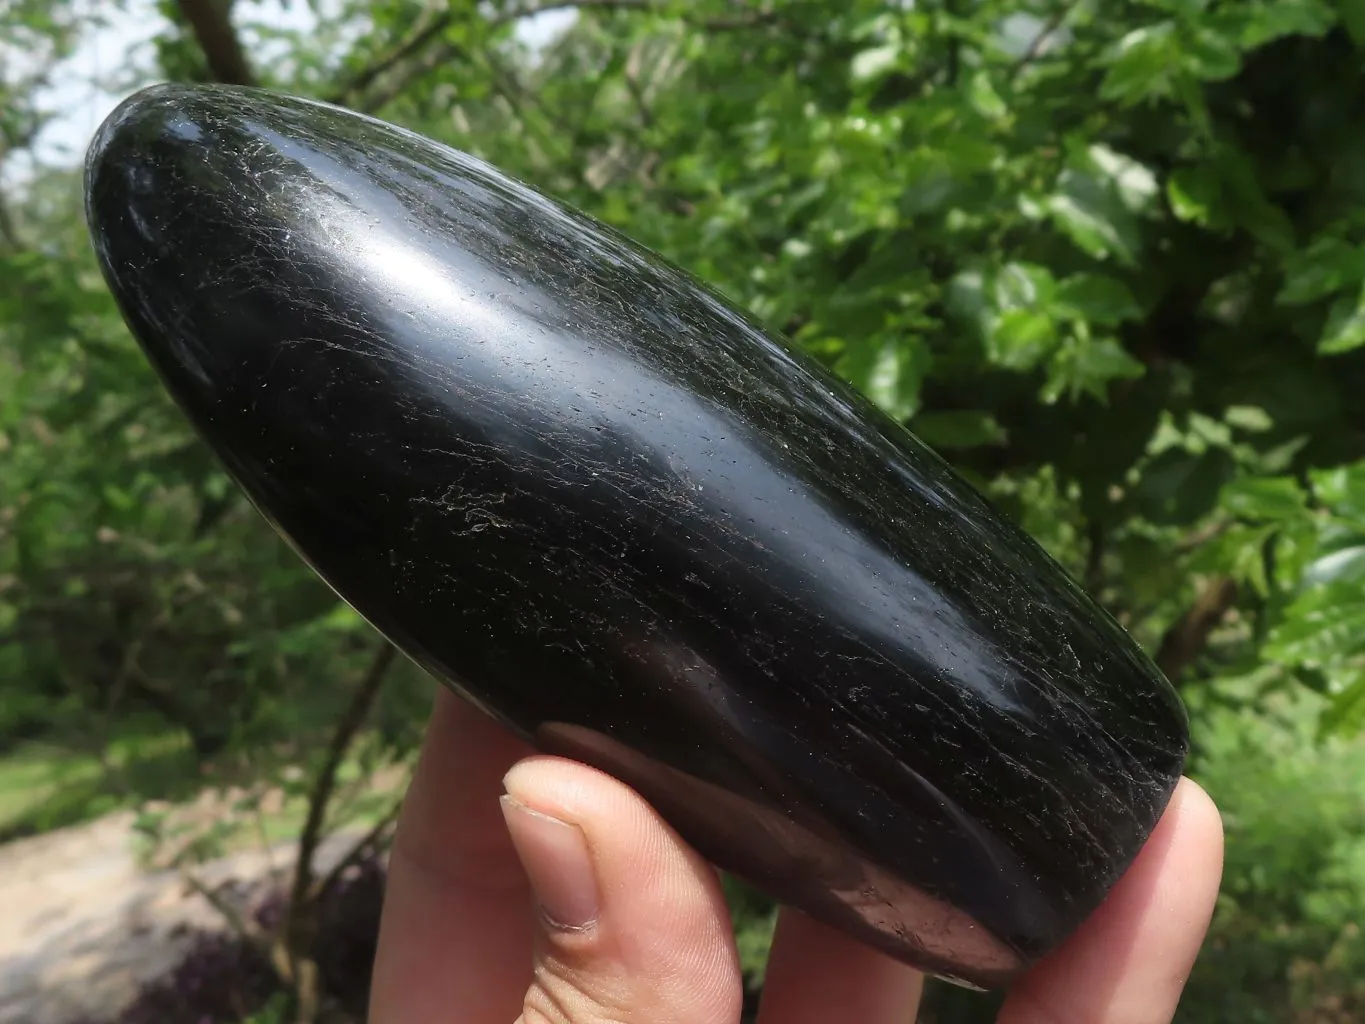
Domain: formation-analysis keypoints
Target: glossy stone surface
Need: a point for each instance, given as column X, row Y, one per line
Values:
column 616, row 514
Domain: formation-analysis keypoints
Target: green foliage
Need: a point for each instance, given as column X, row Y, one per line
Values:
column 755, row 917
column 45, row 786
column 274, row 1012
column 1286, row 942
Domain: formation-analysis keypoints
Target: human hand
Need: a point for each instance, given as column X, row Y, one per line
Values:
column 648, row 937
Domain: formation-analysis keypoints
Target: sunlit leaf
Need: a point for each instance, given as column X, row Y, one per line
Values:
column 1143, row 64
column 1021, row 338
column 1320, row 632
column 964, row 428
column 1345, row 327
column 1097, row 299
column 1275, row 498
column 1327, row 265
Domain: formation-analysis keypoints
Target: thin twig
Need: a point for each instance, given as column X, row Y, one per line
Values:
column 242, row 926
column 370, row 840
column 320, row 797
column 295, row 939
column 636, row 88
column 1035, row 47
column 1094, row 558
column 1211, row 530
column 952, row 66
column 432, row 29
column 263, row 834
column 9, row 234
column 412, row 73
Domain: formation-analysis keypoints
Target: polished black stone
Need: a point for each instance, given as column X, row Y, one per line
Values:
column 612, row 511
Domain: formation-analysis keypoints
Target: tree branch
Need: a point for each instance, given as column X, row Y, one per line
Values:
column 414, row 71
column 749, row 19
column 1211, row 530
column 1187, row 637
column 1094, row 558
column 1049, row 29
column 429, row 29
column 432, row 28
column 952, row 66
column 212, row 27
column 244, row 927
column 370, row 840
column 9, row 235
column 531, row 10
column 636, row 88
column 301, row 917
column 347, row 727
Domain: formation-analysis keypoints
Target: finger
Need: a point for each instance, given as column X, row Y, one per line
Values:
column 816, row 975
column 632, row 925
column 1128, row 963
column 454, row 941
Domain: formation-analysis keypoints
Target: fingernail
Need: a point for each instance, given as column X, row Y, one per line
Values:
column 555, row 856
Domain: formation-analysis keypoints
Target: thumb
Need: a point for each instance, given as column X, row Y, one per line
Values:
column 632, row 922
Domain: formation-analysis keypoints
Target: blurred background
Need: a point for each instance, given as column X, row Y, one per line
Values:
column 1108, row 258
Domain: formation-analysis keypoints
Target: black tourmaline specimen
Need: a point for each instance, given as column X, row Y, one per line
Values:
column 603, row 504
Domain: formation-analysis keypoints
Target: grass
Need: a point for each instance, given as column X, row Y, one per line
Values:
column 221, row 823
column 44, row 786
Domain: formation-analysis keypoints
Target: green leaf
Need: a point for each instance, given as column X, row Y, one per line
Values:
column 1353, row 17
column 961, row 428
column 1341, row 489
column 984, row 99
column 1264, row 22
column 1325, row 628
column 874, row 63
column 1087, row 366
column 1023, row 285
column 1346, row 713
column 966, row 296
column 1133, row 182
column 1258, row 498
column 1209, row 55
column 1093, row 214
column 1343, row 566
column 1246, row 202
column 1251, row 418
column 342, row 617
column 1238, row 551
column 1142, row 64
column 1193, row 193
column 1345, row 328
column 889, row 372
column 929, row 181
column 1087, row 227
column 1021, row 338
column 1097, row 299
column 1179, row 486
column 896, row 378
column 1326, row 266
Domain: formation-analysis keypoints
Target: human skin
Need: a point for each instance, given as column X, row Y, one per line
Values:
column 533, row 889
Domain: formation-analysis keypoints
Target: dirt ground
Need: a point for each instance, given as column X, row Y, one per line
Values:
column 82, row 926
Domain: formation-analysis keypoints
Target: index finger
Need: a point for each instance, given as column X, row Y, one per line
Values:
column 1129, row 961
column 455, row 938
